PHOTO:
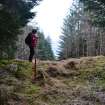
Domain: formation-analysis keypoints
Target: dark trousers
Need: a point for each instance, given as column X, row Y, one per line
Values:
column 31, row 54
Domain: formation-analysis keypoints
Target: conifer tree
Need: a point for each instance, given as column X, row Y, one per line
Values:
column 14, row 14
column 44, row 48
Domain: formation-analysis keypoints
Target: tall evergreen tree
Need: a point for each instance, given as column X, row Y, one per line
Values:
column 14, row 14
column 44, row 48
column 48, row 49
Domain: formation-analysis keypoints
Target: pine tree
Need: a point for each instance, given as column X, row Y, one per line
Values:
column 48, row 49
column 14, row 14
column 44, row 48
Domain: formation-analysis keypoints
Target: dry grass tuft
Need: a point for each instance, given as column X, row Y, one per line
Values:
column 71, row 65
column 53, row 71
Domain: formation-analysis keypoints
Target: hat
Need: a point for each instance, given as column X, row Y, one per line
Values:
column 34, row 31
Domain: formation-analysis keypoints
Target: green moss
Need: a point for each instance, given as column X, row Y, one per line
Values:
column 19, row 79
column 31, row 89
column 89, row 76
column 25, row 69
column 100, row 83
column 3, row 63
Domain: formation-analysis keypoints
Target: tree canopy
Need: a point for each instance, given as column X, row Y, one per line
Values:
column 96, row 9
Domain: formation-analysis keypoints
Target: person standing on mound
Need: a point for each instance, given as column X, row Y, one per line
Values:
column 31, row 40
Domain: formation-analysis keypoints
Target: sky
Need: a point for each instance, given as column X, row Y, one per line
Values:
column 49, row 18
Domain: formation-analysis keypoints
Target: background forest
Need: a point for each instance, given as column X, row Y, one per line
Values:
column 83, row 30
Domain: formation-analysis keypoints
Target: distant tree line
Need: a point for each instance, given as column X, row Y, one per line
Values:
column 83, row 31
column 43, row 49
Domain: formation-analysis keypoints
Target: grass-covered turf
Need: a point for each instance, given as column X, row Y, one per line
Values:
column 15, row 81
column 83, row 86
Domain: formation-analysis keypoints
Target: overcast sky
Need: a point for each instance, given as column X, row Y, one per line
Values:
column 50, row 14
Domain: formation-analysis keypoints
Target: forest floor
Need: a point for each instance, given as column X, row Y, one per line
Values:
column 67, row 82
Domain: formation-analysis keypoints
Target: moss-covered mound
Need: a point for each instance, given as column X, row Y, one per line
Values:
column 67, row 82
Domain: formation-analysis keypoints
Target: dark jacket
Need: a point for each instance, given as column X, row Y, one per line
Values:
column 31, row 40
